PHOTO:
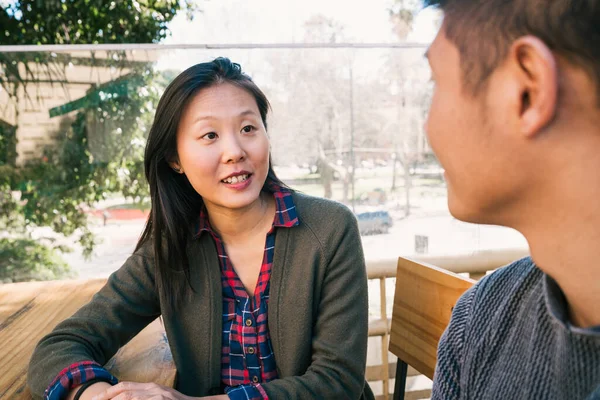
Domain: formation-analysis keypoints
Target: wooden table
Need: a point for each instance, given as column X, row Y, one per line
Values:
column 28, row 311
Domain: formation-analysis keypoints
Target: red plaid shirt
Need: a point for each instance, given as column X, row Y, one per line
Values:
column 76, row 375
column 247, row 358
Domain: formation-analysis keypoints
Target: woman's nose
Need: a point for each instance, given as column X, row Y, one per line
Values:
column 232, row 150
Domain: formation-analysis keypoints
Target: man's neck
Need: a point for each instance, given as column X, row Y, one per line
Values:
column 565, row 244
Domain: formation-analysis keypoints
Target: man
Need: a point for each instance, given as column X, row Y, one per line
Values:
column 515, row 122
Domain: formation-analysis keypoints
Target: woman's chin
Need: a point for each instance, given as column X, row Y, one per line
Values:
column 239, row 200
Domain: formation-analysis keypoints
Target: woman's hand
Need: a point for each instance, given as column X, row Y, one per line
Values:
column 141, row 391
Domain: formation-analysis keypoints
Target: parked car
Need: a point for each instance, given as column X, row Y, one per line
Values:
column 371, row 222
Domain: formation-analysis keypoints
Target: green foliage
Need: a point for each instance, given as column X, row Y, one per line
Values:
column 10, row 217
column 99, row 150
column 100, row 153
column 37, row 22
column 86, row 21
column 8, row 143
column 21, row 257
column 402, row 14
column 26, row 260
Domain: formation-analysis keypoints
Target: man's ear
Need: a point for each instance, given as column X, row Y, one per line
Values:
column 537, row 72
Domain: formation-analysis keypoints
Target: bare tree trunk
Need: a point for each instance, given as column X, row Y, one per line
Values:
column 328, row 169
column 326, row 172
column 407, row 186
column 326, row 178
column 16, row 127
column 394, row 171
column 327, row 186
column 346, row 190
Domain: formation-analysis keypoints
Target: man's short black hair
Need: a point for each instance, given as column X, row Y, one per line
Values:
column 483, row 31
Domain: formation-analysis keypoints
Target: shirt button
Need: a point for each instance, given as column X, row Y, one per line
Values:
column 248, row 322
column 250, row 350
column 255, row 379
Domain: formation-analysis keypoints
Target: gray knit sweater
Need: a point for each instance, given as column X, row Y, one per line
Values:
column 510, row 338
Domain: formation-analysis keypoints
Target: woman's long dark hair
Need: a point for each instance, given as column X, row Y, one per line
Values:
column 175, row 203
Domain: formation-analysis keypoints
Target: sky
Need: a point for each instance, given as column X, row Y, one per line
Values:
column 281, row 21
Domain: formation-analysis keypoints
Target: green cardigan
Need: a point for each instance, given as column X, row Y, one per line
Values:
column 318, row 313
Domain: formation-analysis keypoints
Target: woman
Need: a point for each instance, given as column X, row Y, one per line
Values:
column 262, row 290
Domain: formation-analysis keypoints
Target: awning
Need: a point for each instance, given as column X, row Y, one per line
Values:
column 110, row 90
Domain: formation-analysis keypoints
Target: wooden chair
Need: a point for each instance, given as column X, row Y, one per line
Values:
column 28, row 311
column 423, row 302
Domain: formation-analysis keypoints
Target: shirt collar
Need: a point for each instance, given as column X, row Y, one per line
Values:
column 286, row 215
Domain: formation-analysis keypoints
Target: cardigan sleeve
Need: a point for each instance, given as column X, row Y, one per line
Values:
column 122, row 308
column 340, row 331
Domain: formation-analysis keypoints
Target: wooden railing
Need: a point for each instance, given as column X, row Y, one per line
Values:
column 30, row 310
column 476, row 265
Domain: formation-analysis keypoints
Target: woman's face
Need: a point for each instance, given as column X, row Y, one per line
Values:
column 223, row 147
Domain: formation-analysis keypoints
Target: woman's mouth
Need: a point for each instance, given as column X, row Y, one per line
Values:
column 232, row 180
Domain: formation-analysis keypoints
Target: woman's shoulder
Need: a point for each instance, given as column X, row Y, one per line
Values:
column 144, row 249
column 318, row 209
column 325, row 220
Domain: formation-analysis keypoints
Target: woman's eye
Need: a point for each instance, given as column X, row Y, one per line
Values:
column 248, row 129
column 210, row 136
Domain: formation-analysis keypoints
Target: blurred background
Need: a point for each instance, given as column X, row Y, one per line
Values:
column 349, row 87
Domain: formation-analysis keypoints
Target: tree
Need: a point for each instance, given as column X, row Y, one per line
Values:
column 410, row 94
column 324, row 106
column 81, row 167
column 35, row 22
column 402, row 15
column 86, row 21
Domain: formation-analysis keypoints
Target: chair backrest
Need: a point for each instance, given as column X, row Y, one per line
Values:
column 423, row 302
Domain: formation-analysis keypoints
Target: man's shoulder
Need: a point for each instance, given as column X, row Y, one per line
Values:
column 512, row 279
column 504, row 296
